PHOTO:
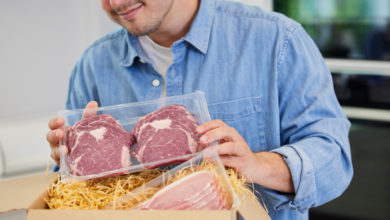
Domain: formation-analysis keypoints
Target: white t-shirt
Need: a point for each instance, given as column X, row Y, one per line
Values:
column 160, row 56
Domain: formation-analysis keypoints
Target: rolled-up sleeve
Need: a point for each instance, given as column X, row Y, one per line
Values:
column 313, row 128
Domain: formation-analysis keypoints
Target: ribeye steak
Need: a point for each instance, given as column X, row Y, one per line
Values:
column 164, row 134
column 97, row 144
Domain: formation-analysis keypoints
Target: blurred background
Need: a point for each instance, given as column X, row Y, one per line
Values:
column 354, row 37
column 41, row 40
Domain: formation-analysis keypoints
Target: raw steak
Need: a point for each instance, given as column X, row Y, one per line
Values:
column 197, row 191
column 97, row 144
column 164, row 134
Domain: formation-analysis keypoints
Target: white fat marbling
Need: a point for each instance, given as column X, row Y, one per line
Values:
column 161, row 124
column 98, row 133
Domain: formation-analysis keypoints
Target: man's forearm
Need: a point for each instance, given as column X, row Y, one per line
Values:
column 273, row 172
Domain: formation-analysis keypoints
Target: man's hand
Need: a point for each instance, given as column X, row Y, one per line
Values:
column 264, row 168
column 56, row 132
column 232, row 148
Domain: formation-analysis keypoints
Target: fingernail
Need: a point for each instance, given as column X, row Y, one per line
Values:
column 204, row 139
column 200, row 129
column 64, row 149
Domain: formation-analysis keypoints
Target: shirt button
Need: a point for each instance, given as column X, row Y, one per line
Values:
column 142, row 60
column 156, row 82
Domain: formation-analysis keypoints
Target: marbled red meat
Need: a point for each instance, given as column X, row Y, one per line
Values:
column 164, row 134
column 97, row 144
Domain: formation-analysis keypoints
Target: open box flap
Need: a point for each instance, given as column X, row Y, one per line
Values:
column 22, row 192
column 251, row 209
column 36, row 214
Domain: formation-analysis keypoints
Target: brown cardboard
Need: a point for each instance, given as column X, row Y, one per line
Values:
column 250, row 208
column 22, row 192
column 36, row 214
column 24, row 199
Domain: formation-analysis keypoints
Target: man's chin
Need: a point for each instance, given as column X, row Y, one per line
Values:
column 136, row 31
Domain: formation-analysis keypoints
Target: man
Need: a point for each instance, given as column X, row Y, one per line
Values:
column 267, row 87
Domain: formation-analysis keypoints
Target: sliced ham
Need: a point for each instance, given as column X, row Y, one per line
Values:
column 197, row 191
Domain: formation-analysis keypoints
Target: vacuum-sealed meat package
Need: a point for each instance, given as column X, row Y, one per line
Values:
column 200, row 183
column 114, row 140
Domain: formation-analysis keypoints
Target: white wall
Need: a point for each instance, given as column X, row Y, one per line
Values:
column 40, row 42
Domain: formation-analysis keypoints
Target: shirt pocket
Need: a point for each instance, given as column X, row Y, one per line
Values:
column 246, row 116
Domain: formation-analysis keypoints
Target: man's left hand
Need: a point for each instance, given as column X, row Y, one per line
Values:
column 264, row 168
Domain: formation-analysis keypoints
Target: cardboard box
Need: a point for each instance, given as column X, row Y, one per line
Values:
column 23, row 198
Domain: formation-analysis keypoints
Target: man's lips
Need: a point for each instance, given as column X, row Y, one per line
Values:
column 131, row 12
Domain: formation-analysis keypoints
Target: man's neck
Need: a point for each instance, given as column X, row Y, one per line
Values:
column 177, row 22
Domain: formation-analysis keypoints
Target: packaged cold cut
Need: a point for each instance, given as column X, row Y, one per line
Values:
column 200, row 183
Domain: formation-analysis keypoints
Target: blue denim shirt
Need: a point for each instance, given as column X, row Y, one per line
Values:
column 261, row 74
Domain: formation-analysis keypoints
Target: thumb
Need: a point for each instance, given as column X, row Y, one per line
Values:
column 90, row 110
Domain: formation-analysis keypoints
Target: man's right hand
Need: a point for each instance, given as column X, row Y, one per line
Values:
column 56, row 132
column 54, row 136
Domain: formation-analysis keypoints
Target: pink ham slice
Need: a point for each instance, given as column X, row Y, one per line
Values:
column 97, row 144
column 197, row 191
column 164, row 134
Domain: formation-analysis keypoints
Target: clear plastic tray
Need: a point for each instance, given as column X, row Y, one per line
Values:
column 202, row 161
column 127, row 115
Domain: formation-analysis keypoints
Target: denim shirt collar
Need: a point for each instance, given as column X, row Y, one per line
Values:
column 198, row 36
column 131, row 49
